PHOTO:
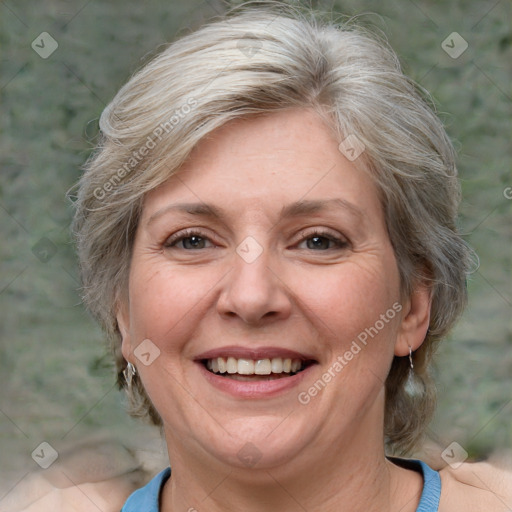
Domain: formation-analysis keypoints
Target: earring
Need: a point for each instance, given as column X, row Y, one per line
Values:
column 129, row 372
column 412, row 385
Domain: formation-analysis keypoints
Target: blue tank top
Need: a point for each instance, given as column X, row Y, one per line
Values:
column 147, row 498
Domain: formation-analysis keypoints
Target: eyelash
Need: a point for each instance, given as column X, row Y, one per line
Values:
column 317, row 233
column 341, row 243
column 182, row 235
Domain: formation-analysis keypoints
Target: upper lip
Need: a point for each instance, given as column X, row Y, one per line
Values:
column 255, row 353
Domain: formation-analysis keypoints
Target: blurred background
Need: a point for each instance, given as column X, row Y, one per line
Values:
column 61, row 62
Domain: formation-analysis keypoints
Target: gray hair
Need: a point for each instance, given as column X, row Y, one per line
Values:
column 258, row 60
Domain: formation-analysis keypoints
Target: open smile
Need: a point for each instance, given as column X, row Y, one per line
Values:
column 243, row 369
column 252, row 373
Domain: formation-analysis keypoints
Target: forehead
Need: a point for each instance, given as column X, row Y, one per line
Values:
column 270, row 161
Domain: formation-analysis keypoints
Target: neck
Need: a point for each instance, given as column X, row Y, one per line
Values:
column 351, row 475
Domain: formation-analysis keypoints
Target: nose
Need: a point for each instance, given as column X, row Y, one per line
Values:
column 254, row 293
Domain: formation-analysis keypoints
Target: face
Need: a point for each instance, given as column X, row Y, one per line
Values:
column 266, row 289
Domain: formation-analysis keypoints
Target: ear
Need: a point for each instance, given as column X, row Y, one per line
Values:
column 415, row 320
column 123, row 322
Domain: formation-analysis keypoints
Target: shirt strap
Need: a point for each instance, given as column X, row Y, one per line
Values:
column 147, row 498
column 431, row 493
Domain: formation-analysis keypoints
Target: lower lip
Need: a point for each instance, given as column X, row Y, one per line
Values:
column 256, row 389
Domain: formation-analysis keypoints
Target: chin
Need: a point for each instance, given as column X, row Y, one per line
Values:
column 260, row 442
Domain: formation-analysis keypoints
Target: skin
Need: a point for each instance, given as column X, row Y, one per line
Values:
column 300, row 293
column 286, row 298
column 472, row 487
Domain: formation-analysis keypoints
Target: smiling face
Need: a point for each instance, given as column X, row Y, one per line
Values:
column 256, row 271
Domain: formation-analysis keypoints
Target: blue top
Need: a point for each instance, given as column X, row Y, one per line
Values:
column 147, row 498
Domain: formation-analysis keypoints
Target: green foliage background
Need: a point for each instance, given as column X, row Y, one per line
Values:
column 56, row 382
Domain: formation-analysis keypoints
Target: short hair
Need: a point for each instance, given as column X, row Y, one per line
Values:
column 262, row 59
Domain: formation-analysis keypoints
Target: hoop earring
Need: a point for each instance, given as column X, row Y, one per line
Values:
column 129, row 372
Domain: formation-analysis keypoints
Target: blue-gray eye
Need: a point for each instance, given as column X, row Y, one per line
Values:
column 193, row 242
column 187, row 240
column 318, row 242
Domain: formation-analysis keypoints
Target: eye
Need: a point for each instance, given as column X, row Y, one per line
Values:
column 322, row 241
column 188, row 240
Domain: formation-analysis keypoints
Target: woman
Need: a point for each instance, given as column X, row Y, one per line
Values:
column 267, row 234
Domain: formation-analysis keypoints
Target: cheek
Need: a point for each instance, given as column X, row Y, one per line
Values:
column 356, row 314
column 165, row 302
column 351, row 298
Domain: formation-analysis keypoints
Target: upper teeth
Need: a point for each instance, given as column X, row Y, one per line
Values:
column 253, row 366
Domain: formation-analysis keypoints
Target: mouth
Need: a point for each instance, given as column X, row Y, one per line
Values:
column 251, row 370
column 257, row 372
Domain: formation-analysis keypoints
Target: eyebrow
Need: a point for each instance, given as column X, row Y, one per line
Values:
column 198, row 209
column 297, row 209
column 316, row 206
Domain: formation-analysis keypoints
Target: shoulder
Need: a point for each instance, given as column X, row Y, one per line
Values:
column 98, row 474
column 106, row 495
column 476, row 487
